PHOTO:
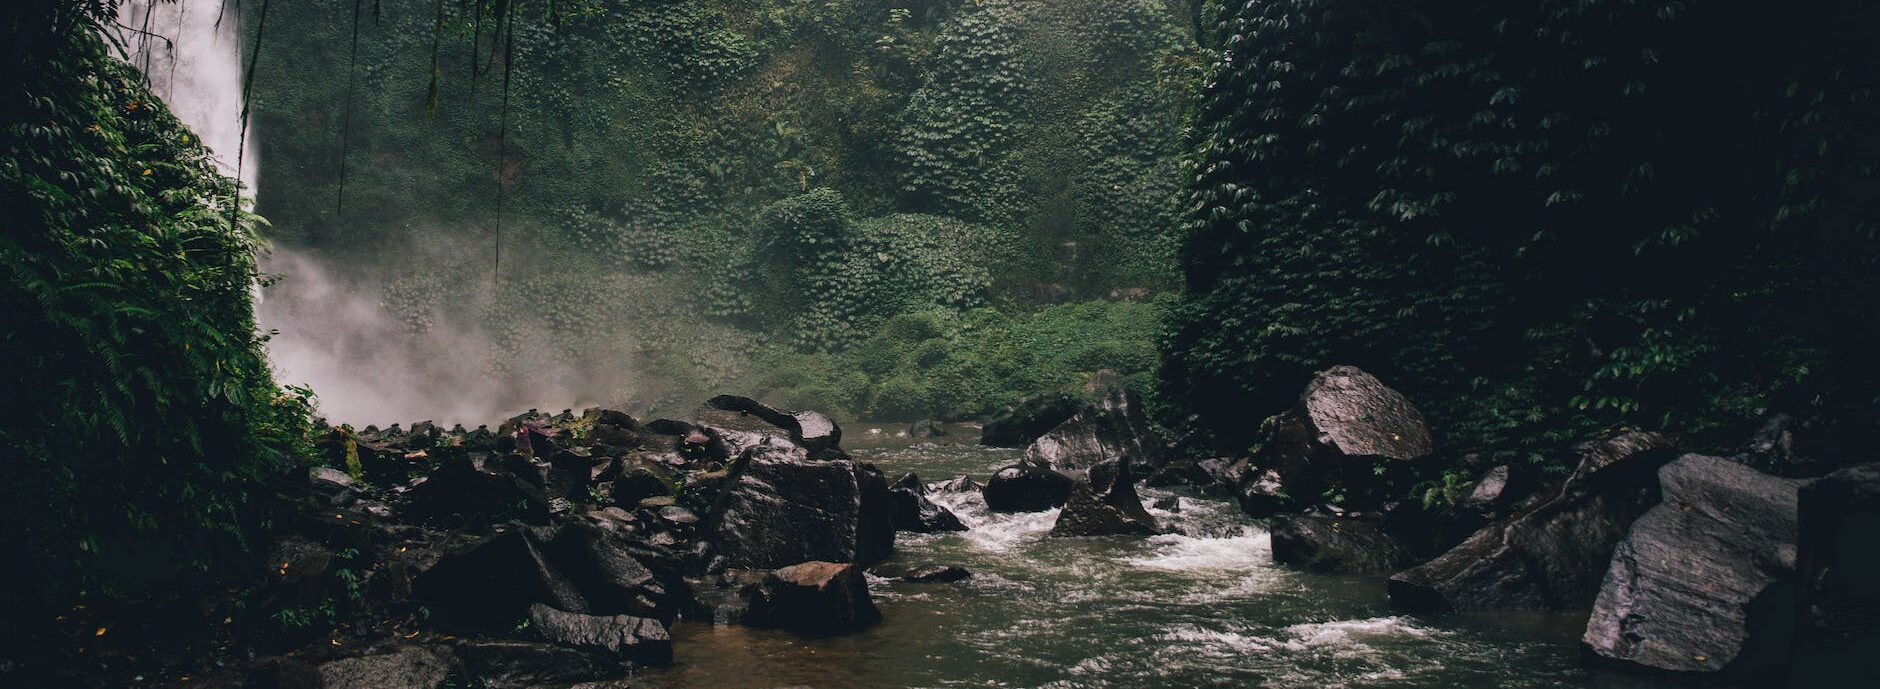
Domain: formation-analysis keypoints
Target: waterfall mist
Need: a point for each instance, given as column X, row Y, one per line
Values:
column 330, row 331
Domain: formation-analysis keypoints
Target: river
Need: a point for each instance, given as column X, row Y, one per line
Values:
column 1203, row 606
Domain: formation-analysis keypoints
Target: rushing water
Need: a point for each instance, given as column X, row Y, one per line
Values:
column 1202, row 606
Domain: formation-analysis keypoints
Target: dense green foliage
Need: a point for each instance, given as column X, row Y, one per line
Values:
column 138, row 418
column 946, row 364
column 1536, row 219
column 999, row 152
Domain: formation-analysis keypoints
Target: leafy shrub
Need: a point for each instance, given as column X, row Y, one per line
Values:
column 138, row 416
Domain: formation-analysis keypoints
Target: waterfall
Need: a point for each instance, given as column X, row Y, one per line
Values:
column 191, row 52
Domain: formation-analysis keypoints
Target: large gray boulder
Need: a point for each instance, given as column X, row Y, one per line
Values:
column 1837, row 641
column 637, row 639
column 814, row 431
column 1346, row 425
column 1111, row 430
column 1330, row 545
column 778, row 509
column 1704, row 582
column 1553, row 556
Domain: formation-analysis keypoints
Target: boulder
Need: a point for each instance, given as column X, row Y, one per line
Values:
column 1031, row 418
column 491, row 582
column 1553, row 556
column 641, row 480
column 874, row 524
column 778, row 509
column 1111, row 430
column 1115, row 511
column 637, row 639
column 1263, row 494
column 1345, row 427
column 914, row 512
column 472, row 488
column 814, row 598
column 334, row 487
column 814, row 431
column 1333, row 546
column 410, row 667
column 1214, row 477
column 1027, row 487
column 1703, row 582
column 600, row 566
column 1837, row 641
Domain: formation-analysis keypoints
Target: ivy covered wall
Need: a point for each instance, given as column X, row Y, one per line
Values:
column 1536, row 219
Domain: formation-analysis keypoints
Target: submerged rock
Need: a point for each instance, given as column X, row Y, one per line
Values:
column 1553, row 556
column 814, row 598
column 1837, row 641
column 638, row 639
column 1704, row 582
column 1346, row 425
column 926, row 573
column 1027, row 487
column 1332, row 545
column 1028, row 420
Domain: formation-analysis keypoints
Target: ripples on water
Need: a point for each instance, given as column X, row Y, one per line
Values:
column 1202, row 606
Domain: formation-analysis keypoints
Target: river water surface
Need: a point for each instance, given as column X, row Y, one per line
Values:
column 1203, row 606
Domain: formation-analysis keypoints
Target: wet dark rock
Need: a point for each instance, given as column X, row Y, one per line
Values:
column 410, row 667
column 1332, row 545
column 1114, row 511
column 606, row 574
column 1553, row 556
column 1028, row 420
column 492, row 581
column 911, row 482
column 1837, row 641
column 1027, row 487
column 509, row 664
column 914, row 512
column 281, row 673
column 637, row 639
column 1111, row 430
column 334, row 487
column 778, row 509
column 677, row 516
column 1168, row 503
column 813, row 598
column 924, row 573
column 874, row 527
column 641, row 480
column 1704, row 582
column 1215, row 477
column 1346, row 425
column 1263, row 494
column 814, row 431
column 466, row 488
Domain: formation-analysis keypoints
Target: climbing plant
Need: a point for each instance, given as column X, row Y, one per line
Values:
column 1537, row 220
